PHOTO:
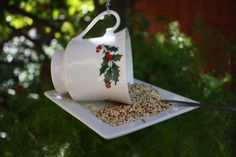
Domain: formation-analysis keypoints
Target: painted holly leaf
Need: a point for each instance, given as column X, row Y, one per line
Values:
column 116, row 57
column 108, row 76
column 111, row 48
column 109, row 68
column 115, row 73
column 104, row 65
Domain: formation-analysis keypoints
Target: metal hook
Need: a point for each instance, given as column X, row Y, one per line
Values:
column 108, row 3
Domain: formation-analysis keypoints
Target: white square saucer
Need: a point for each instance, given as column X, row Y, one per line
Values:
column 81, row 111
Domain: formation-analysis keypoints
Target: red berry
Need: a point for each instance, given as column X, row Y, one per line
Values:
column 107, row 53
column 99, row 47
column 108, row 84
column 108, row 56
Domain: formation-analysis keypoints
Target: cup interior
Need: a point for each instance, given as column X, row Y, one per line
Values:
column 129, row 60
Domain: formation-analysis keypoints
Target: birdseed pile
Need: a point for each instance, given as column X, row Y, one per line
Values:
column 145, row 102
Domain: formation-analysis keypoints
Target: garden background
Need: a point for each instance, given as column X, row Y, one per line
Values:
column 185, row 46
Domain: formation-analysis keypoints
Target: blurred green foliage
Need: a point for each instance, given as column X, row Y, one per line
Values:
column 31, row 125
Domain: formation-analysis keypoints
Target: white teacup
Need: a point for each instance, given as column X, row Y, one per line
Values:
column 96, row 68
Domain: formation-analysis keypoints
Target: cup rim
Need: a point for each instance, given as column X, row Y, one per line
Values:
column 56, row 72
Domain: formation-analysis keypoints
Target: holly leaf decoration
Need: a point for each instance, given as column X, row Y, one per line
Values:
column 111, row 48
column 109, row 68
column 104, row 65
column 108, row 76
column 115, row 73
column 116, row 57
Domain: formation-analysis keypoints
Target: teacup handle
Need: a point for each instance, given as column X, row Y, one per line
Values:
column 101, row 17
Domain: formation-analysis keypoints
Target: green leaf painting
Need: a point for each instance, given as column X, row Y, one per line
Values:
column 116, row 57
column 111, row 48
column 109, row 68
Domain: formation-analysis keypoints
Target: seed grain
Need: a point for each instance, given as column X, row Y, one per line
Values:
column 145, row 102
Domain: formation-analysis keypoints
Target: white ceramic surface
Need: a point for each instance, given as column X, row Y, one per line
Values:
column 80, row 111
column 78, row 70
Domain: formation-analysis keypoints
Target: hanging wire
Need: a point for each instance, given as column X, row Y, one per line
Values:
column 108, row 3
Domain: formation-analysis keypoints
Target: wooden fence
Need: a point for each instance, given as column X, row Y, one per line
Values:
column 218, row 15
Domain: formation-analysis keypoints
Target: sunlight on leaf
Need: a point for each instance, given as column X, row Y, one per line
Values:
column 102, row 1
column 11, row 91
column 27, row 75
column 57, row 35
column 67, row 27
column 19, row 48
column 177, row 37
column 54, row 45
column 214, row 83
column 32, row 33
column 55, row 14
column 19, row 21
column 47, row 29
column 80, row 7
column 3, row 134
column 33, row 96
column 160, row 37
column 27, row 6
column 6, row 84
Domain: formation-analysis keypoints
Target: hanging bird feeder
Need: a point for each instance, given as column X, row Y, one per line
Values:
column 93, row 80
